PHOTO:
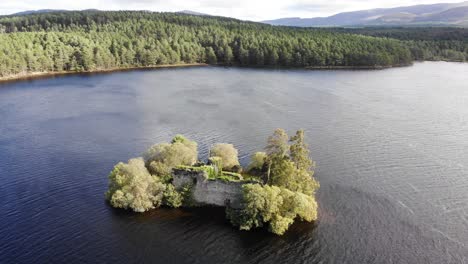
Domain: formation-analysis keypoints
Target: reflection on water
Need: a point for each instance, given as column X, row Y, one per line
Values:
column 391, row 148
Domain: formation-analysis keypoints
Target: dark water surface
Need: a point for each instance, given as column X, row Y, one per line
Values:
column 391, row 148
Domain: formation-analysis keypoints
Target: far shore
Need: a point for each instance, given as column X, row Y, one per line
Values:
column 40, row 75
column 375, row 67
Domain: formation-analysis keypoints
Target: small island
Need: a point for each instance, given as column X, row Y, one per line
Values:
column 275, row 189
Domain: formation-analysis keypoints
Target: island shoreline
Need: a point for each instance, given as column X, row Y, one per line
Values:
column 44, row 75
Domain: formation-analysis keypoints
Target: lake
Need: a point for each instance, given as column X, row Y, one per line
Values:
column 391, row 148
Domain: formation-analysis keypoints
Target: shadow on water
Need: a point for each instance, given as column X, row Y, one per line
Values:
column 213, row 217
column 206, row 232
column 208, row 229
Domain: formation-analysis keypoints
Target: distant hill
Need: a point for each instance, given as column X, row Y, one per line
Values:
column 453, row 14
column 43, row 11
column 189, row 12
column 29, row 12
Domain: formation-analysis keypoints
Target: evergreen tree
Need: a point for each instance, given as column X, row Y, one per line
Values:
column 210, row 56
column 300, row 153
column 228, row 55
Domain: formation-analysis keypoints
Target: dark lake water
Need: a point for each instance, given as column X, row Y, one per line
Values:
column 391, row 148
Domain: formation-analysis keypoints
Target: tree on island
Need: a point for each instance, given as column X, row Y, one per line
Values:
column 257, row 161
column 131, row 186
column 162, row 158
column 228, row 154
column 144, row 183
column 290, row 188
column 274, row 206
column 289, row 166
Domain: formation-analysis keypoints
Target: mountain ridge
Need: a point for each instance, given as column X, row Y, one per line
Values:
column 454, row 14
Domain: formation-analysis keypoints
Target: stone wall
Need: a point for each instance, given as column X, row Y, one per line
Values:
column 209, row 192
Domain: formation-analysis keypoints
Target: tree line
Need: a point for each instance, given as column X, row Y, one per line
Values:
column 95, row 40
column 425, row 43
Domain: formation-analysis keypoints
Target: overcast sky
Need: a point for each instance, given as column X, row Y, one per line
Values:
column 243, row 9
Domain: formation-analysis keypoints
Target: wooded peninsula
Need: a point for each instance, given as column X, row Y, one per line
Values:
column 90, row 41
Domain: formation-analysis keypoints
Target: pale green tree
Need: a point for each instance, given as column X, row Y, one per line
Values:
column 162, row 158
column 227, row 152
column 131, row 186
column 277, row 144
column 277, row 149
column 257, row 161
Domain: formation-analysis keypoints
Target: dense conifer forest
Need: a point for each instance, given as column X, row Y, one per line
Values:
column 425, row 43
column 101, row 40
column 85, row 41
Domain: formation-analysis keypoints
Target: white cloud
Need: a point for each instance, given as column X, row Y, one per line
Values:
column 243, row 9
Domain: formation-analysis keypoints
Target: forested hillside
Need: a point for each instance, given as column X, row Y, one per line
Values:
column 425, row 43
column 93, row 40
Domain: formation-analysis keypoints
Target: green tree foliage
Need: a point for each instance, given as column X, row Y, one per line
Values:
column 227, row 152
column 131, row 186
column 431, row 43
column 282, row 172
column 278, row 207
column 95, row 40
column 277, row 144
column 228, row 55
column 172, row 197
column 276, row 149
column 145, row 183
column 290, row 166
column 300, row 153
column 217, row 163
column 210, row 56
column 290, row 189
column 257, row 161
column 162, row 158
